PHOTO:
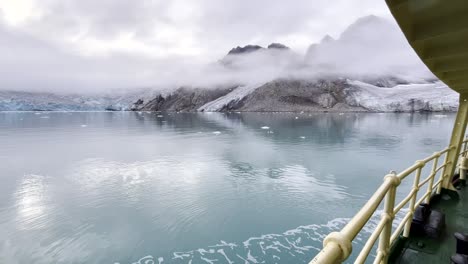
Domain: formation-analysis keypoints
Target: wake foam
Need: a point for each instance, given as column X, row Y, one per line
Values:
column 298, row 245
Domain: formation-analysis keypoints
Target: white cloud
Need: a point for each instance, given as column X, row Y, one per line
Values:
column 19, row 11
column 92, row 45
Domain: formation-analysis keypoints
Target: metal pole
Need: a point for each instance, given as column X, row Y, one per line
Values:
column 412, row 205
column 384, row 241
column 456, row 140
column 431, row 181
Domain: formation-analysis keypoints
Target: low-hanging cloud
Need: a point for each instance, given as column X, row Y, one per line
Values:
column 96, row 46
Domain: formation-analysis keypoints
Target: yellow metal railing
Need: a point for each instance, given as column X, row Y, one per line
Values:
column 337, row 246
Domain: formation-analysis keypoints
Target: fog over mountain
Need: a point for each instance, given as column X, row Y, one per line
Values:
column 68, row 46
column 327, row 75
column 369, row 67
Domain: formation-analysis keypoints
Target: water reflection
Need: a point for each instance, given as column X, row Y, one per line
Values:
column 163, row 187
column 32, row 203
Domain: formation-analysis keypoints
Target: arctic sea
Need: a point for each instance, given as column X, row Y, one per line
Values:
column 143, row 187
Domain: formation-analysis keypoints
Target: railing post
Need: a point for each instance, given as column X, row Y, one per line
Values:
column 439, row 188
column 456, row 140
column 412, row 205
column 431, row 180
column 463, row 166
column 463, row 162
column 387, row 216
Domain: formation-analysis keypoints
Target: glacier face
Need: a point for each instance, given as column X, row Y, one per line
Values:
column 31, row 101
column 406, row 97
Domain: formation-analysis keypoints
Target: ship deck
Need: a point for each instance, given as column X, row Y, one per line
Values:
column 426, row 250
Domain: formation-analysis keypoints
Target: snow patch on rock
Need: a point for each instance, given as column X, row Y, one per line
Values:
column 235, row 96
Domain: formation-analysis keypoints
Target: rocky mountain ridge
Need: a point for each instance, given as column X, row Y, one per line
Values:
column 332, row 95
column 251, row 48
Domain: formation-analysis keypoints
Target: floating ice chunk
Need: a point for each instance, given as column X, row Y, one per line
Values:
column 37, row 113
column 84, row 125
column 265, row 127
column 217, row 132
column 44, row 117
column 296, row 117
column 140, row 113
column 341, row 114
column 302, row 137
column 159, row 116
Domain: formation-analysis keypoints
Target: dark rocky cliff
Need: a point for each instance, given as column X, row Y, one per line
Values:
column 183, row 99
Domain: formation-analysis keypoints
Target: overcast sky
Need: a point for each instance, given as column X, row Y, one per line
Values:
column 85, row 42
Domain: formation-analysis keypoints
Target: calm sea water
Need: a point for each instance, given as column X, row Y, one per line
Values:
column 194, row 188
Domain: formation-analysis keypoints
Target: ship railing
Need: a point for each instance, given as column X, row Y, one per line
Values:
column 337, row 246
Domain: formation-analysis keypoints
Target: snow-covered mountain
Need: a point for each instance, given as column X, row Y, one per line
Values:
column 369, row 67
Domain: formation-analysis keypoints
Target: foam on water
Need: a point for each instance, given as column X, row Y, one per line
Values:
column 298, row 245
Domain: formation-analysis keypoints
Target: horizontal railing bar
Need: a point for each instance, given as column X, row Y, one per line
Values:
column 413, row 168
column 446, row 150
column 370, row 242
column 422, row 198
column 438, row 182
column 399, row 228
column 426, row 180
column 404, row 202
column 442, row 166
column 378, row 258
column 432, row 175
column 408, row 171
column 332, row 255
column 433, row 156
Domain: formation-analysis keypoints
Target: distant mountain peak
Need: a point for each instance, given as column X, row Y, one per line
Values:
column 245, row 49
column 252, row 48
column 277, row 46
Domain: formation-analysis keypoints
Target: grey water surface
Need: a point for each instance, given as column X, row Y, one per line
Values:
column 128, row 187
